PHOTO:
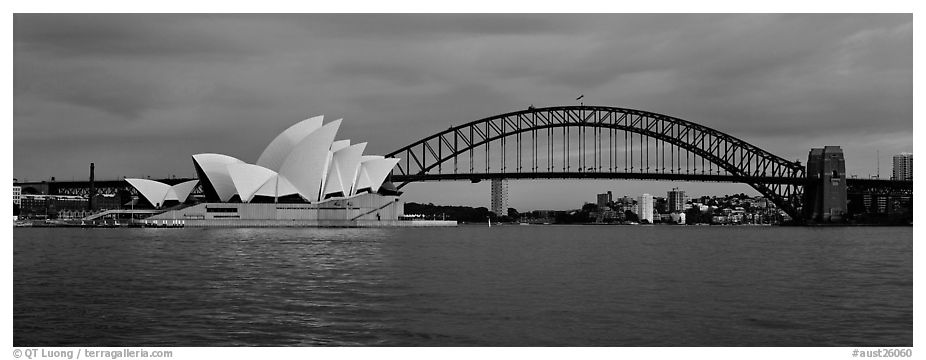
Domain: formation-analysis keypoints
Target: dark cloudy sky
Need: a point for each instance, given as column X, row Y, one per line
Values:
column 138, row 94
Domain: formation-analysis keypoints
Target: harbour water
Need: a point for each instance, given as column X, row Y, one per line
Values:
column 465, row 286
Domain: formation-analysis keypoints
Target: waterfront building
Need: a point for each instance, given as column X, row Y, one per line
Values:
column 304, row 177
column 660, row 205
column 888, row 203
column 903, row 167
column 607, row 216
column 107, row 202
column 500, row 197
column 302, row 164
column 544, row 216
column 676, row 200
column 625, row 204
column 367, row 209
column 604, row 200
column 17, row 191
column 50, row 206
column 645, row 208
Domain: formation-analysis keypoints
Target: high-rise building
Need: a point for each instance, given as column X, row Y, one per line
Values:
column 645, row 208
column 17, row 192
column 903, row 166
column 676, row 200
column 604, row 200
column 500, row 197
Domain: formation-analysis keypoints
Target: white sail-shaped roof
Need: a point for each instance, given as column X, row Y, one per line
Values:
column 282, row 146
column 215, row 167
column 181, row 191
column 284, row 187
column 305, row 167
column 335, row 146
column 377, row 170
column 269, row 188
column 157, row 192
column 325, row 177
column 332, row 183
column 276, row 186
column 363, row 177
column 373, row 171
column 340, row 144
column 343, row 169
column 249, row 179
column 353, row 168
column 153, row 191
column 362, row 182
column 304, row 159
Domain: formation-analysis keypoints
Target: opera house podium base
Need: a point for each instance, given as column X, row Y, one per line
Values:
column 365, row 210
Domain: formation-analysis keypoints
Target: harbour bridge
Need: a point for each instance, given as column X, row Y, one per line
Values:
column 585, row 142
column 599, row 142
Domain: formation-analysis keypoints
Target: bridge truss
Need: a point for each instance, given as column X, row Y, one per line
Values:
column 597, row 142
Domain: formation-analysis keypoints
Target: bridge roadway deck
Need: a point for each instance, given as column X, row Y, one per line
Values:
column 893, row 184
column 596, row 175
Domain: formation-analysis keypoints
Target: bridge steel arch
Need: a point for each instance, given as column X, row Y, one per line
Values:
column 777, row 179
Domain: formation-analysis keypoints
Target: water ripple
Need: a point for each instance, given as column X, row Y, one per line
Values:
column 467, row 286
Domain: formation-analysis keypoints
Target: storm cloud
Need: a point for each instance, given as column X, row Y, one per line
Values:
column 139, row 93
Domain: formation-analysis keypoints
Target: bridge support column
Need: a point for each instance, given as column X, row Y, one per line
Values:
column 825, row 192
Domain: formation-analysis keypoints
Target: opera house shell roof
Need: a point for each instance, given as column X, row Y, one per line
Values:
column 158, row 193
column 304, row 161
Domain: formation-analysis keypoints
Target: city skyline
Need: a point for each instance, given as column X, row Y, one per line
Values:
column 616, row 197
column 114, row 89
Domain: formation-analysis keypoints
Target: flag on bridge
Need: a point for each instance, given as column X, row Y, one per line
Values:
column 580, row 96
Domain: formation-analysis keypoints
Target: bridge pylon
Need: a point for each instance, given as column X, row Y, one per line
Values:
column 825, row 191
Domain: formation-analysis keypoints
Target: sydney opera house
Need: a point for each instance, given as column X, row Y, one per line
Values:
column 304, row 177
